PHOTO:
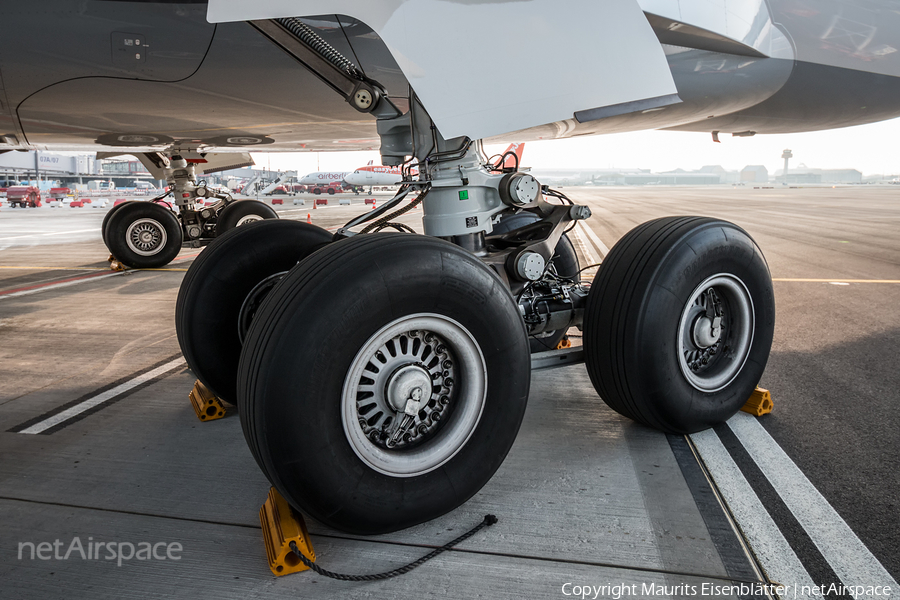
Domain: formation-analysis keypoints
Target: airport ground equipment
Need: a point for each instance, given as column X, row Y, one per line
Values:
column 283, row 178
column 335, row 187
column 58, row 195
column 224, row 288
column 289, row 547
column 205, row 403
column 284, row 530
column 23, row 196
column 760, row 403
column 140, row 233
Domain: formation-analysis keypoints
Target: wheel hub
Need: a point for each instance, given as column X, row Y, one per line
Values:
column 707, row 331
column 405, row 389
column 409, row 383
column 413, row 395
column 715, row 332
column 248, row 219
column 253, row 301
column 146, row 237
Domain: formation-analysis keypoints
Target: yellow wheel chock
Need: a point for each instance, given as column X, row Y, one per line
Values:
column 564, row 343
column 206, row 405
column 115, row 265
column 759, row 404
column 281, row 525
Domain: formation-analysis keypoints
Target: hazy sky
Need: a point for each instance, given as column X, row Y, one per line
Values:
column 871, row 149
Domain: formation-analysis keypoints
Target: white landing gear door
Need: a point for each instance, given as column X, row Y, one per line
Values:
column 485, row 68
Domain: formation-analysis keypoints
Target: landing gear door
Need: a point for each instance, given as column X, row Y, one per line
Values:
column 487, row 68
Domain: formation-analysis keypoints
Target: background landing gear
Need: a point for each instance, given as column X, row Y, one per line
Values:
column 142, row 235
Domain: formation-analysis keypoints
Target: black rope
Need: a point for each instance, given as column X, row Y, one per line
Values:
column 487, row 522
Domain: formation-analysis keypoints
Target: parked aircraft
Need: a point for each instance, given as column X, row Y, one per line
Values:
column 381, row 380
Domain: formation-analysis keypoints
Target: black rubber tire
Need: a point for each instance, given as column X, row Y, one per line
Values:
column 565, row 259
column 106, row 218
column 317, row 191
column 331, row 191
column 304, row 340
column 633, row 312
column 232, row 214
column 130, row 213
column 216, row 285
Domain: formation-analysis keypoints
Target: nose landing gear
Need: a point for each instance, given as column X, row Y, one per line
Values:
column 142, row 235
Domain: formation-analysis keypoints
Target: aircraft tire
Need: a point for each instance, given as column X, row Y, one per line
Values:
column 243, row 212
column 302, row 395
column 565, row 259
column 651, row 347
column 223, row 288
column 144, row 235
column 106, row 219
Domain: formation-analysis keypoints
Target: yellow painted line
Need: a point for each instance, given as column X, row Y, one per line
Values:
column 181, row 270
column 837, row 280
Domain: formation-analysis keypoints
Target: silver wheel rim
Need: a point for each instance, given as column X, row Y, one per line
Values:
column 248, row 219
column 708, row 361
column 146, row 237
column 402, row 357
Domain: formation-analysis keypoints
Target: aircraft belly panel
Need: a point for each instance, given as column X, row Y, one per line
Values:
column 50, row 41
column 486, row 68
column 230, row 102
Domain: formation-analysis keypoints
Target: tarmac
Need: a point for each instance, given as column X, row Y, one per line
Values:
column 100, row 443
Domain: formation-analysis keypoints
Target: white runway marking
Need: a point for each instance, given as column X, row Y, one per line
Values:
column 586, row 249
column 16, row 237
column 101, row 398
column 775, row 554
column 844, row 551
column 601, row 247
column 52, row 286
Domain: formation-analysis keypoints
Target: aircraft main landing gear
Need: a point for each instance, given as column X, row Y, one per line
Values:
column 383, row 378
